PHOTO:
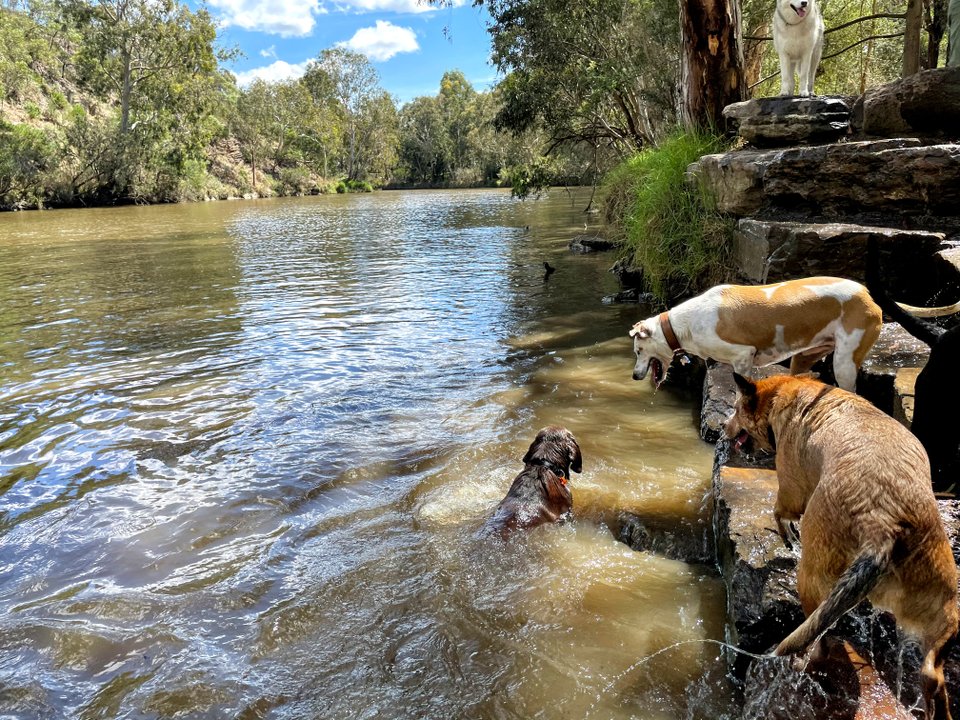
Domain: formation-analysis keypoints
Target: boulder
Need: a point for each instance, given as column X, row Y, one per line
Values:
column 771, row 251
column 784, row 121
column 896, row 177
column 926, row 104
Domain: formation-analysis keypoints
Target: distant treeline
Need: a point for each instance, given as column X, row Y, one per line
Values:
column 128, row 101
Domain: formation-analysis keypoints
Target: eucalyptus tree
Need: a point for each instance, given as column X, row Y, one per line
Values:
column 601, row 72
column 350, row 79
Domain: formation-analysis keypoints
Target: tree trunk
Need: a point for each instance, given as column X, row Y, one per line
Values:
column 936, row 28
column 911, row 38
column 125, row 95
column 712, row 74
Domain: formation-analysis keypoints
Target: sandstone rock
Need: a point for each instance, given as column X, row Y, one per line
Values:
column 899, row 177
column 783, row 121
column 895, row 349
column 927, row 103
column 769, row 251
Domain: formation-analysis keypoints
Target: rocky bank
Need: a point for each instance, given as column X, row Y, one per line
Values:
column 816, row 181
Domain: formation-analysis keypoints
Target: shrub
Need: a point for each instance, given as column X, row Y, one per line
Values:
column 668, row 229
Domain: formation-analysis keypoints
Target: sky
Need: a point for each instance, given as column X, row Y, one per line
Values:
column 411, row 44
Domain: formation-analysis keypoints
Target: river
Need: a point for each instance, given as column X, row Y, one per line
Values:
column 247, row 448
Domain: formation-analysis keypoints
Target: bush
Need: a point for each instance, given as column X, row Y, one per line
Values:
column 345, row 186
column 295, row 181
column 667, row 229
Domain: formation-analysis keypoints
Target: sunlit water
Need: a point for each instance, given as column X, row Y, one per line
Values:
column 246, row 450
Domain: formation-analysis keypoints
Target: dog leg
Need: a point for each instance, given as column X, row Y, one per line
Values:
column 785, row 526
column 814, row 65
column 804, row 361
column 934, row 687
column 786, row 76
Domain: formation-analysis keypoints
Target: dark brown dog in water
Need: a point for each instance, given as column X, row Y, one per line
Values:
column 859, row 482
column 541, row 493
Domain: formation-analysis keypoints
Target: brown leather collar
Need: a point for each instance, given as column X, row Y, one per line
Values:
column 668, row 334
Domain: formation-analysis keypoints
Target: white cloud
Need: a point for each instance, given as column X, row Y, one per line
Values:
column 273, row 72
column 269, row 52
column 383, row 41
column 287, row 18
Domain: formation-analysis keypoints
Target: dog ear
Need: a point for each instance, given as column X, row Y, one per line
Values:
column 640, row 330
column 573, row 452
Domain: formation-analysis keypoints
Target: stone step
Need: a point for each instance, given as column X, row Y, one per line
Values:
column 785, row 121
column 899, row 177
column 771, row 251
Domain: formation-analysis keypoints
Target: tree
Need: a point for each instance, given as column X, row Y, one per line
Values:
column 713, row 74
column 600, row 72
column 349, row 78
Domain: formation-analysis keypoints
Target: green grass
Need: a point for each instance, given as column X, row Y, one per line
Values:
column 667, row 228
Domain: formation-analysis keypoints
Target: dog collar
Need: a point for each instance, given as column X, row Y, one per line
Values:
column 669, row 335
column 556, row 470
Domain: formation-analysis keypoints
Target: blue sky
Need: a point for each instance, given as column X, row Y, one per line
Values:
column 411, row 44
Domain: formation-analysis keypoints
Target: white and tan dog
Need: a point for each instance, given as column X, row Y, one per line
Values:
column 752, row 325
column 798, row 39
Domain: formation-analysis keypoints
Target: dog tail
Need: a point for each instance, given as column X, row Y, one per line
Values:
column 851, row 589
column 924, row 331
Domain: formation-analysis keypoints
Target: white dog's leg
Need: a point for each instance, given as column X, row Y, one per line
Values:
column 814, row 64
column 786, row 76
column 806, row 84
column 743, row 363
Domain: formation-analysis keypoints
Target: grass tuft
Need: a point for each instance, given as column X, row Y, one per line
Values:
column 667, row 228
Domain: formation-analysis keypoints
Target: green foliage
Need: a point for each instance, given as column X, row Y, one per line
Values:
column 353, row 186
column 668, row 229
column 27, row 154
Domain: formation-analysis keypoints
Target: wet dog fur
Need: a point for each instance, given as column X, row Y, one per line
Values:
column 859, row 482
column 540, row 493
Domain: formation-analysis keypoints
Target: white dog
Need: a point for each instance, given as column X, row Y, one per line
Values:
column 747, row 326
column 798, row 39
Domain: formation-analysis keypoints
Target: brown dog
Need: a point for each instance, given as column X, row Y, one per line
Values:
column 540, row 494
column 870, row 525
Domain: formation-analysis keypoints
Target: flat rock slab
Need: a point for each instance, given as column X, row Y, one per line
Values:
column 771, row 251
column 590, row 243
column 898, row 177
column 784, row 121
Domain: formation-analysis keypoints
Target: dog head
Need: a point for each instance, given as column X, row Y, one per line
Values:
column 555, row 446
column 650, row 354
column 749, row 427
column 793, row 11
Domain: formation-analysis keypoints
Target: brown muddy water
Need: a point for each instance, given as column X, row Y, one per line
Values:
column 246, row 450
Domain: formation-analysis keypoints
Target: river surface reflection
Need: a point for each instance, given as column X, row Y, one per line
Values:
column 246, row 449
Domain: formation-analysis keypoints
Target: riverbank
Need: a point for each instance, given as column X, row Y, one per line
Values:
column 819, row 185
